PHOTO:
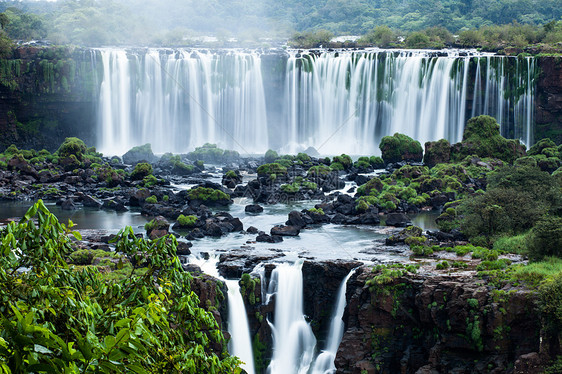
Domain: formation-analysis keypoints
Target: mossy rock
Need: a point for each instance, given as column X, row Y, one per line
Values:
column 273, row 168
column 400, row 147
column 141, row 170
column 270, row 156
column 540, row 146
column 526, row 161
column 138, row 154
column 72, row 146
column 209, row 196
column 437, row 152
column 482, row 138
column 373, row 186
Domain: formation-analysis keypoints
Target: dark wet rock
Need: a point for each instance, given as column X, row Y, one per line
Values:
column 297, row 219
column 183, row 248
column 91, row 202
column 265, row 238
column 285, row 231
column 215, row 230
column 139, row 154
column 157, row 227
column 252, row 230
column 68, row 204
column 195, row 234
column 338, row 219
column 113, row 204
column 253, row 208
column 401, row 236
column 138, row 196
column 397, row 220
column 233, row 265
column 439, row 200
column 361, row 179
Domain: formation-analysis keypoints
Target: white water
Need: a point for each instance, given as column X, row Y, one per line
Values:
column 293, row 340
column 240, row 344
column 324, row 363
column 337, row 102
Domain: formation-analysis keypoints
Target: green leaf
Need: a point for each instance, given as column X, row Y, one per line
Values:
column 137, row 369
column 41, row 349
column 109, row 342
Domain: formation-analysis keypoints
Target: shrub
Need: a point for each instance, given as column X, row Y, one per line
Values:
column 545, row 239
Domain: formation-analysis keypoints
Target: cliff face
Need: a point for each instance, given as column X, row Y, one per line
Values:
column 548, row 99
column 47, row 94
column 438, row 324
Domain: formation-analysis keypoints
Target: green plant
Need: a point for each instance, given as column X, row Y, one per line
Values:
column 186, row 221
column 141, row 171
column 151, row 200
column 207, row 194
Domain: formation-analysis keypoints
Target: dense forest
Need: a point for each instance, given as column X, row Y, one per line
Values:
column 102, row 22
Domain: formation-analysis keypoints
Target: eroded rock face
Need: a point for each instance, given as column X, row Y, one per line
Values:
column 548, row 100
column 436, row 324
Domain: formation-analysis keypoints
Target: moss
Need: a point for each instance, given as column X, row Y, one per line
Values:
column 319, row 170
column 149, row 181
column 141, row 171
column 344, row 160
column 400, row 147
column 317, row 211
column 303, row 157
column 207, row 194
column 437, row 152
column 156, row 225
column 376, row 162
column 373, row 186
column 231, row 174
column 482, row 138
column 187, row 221
column 72, row 147
column 541, row 146
column 337, row 166
column 526, row 161
column 273, row 168
column 151, row 200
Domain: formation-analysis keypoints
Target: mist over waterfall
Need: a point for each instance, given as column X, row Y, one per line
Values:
column 345, row 101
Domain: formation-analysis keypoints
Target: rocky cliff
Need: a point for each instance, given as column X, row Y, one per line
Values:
column 47, row 94
column 438, row 324
column 548, row 99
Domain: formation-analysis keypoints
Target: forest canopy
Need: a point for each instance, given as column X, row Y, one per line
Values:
column 102, row 22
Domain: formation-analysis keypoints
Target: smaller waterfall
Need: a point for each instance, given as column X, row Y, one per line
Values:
column 293, row 340
column 240, row 344
column 324, row 363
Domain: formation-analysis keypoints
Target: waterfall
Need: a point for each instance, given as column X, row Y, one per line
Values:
column 293, row 340
column 343, row 101
column 324, row 363
column 240, row 344
column 177, row 100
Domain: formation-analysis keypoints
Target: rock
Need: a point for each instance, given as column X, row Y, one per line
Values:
column 252, row 230
column 296, row 219
column 369, row 218
column 195, row 234
column 158, row 227
column 113, row 204
column 265, row 238
column 68, row 204
column 397, row 220
column 361, row 179
column 253, row 208
column 311, row 151
column 91, row 202
column 155, row 234
column 138, row 154
column 438, row 152
column 285, row 230
column 214, row 230
column 400, row 147
column 183, row 248
column 400, row 237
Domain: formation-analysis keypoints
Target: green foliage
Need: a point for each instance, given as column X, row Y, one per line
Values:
column 319, row 170
column 344, row 160
column 545, row 238
column 512, row 244
column 72, row 147
column 142, row 170
column 303, row 157
column 442, row 265
column 187, row 221
column 310, row 39
column 207, row 194
column 400, row 147
column 337, row 166
column 317, row 211
column 61, row 319
column 372, row 187
column 482, row 138
column 151, row 200
column 380, row 36
column 273, row 168
column 417, row 40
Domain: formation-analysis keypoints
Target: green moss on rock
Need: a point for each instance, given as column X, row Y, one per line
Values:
column 400, row 147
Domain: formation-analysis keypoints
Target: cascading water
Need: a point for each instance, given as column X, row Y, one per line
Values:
column 293, row 340
column 177, row 100
column 337, row 102
column 324, row 363
column 240, row 344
